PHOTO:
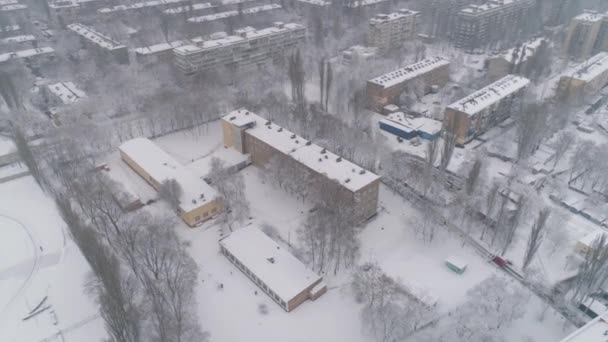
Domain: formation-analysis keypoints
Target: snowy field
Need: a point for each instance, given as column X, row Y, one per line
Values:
column 41, row 270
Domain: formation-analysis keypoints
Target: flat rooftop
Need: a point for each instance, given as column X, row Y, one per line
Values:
column 275, row 266
column 18, row 39
column 186, row 9
column 139, row 5
column 95, row 37
column 313, row 156
column 67, row 92
column 26, row 53
column 12, row 7
column 490, row 6
column 363, row 3
column 409, row 72
column 385, row 18
column 528, row 49
column 233, row 13
column 591, row 16
column 591, row 68
column 409, row 123
column 490, row 95
column 161, row 166
column 595, row 330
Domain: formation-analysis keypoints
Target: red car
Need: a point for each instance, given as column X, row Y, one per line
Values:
column 499, row 261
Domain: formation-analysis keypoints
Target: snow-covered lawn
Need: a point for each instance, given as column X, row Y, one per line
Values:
column 38, row 260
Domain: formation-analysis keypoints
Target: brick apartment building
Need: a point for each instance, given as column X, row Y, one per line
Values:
column 101, row 43
column 587, row 79
column 262, row 140
column 484, row 109
column 247, row 49
column 386, row 89
column 586, row 35
column 478, row 26
column 387, row 31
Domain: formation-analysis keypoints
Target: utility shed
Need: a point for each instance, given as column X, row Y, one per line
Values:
column 270, row 266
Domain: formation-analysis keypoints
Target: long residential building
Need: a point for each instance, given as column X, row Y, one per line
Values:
column 586, row 80
column 479, row 25
column 587, row 35
column 386, row 89
column 486, row 108
column 246, row 49
column 64, row 12
column 272, row 268
column 234, row 13
column 100, row 42
column 28, row 55
column 198, row 201
column 439, row 16
column 391, row 30
column 151, row 5
column 263, row 140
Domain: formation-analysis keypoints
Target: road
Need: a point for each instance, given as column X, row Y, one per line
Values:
column 420, row 202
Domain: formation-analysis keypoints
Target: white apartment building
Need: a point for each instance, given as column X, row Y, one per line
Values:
column 246, row 49
column 105, row 44
column 390, row 30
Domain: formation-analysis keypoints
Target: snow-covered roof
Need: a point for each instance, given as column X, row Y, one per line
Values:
column 195, row 7
column 26, row 53
column 409, row 72
column 243, row 36
column 362, row 3
column 278, row 269
column 594, row 331
column 95, row 37
column 7, row 2
column 315, row 2
column 18, row 39
column 590, row 239
column 158, row 48
column 591, row 68
column 313, row 156
column 161, row 166
column 10, row 28
column 489, row 6
column 385, row 18
column 525, row 51
column 413, row 124
column 591, row 16
column 7, row 146
column 490, row 95
column 67, row 92
column 12, row 7
column 139, row 5
column 228, row 14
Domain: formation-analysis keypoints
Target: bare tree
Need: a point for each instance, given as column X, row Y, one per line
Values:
column 531, row 129
column 473, row 178
column 27, row 154
column 171, row 192
column 536, row 237
column 593, row 271
column 231, row 185
column 563, row 142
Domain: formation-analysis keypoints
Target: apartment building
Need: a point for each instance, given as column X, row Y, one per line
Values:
column 101, row 43
column 486, row 108
column 517, row 60
column 247, row 49
column 348, row 183
column 198, row 201
column 234, row 13
column 586, row 80
column 586, row 35
column 439, row 16
column 283, row 277
column 150, row 6
column 14, row 13
column 358, row 55
column 386, row 89
column 29, row 55
column 479, row 25
column 388, row 31
column 63, row 12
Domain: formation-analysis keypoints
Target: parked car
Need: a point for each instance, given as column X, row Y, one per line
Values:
column 499, row 261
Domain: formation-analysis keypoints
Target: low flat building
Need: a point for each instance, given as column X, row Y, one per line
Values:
column 247, row 49
column 586, row 80
column 354, row 4
column 27, row 39
column 386, row 89
column 198, row 202
column 486, row 108
column 594, row 331
column 66, row 92
column 408, row 127
column 387, row 31
column 357, row 55
column 589, row 241
column 272, row 268
column 29, row 54
column 102, row 43
column 354, row 186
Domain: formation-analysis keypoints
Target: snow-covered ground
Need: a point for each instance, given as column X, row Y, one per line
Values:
column 41, row 266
